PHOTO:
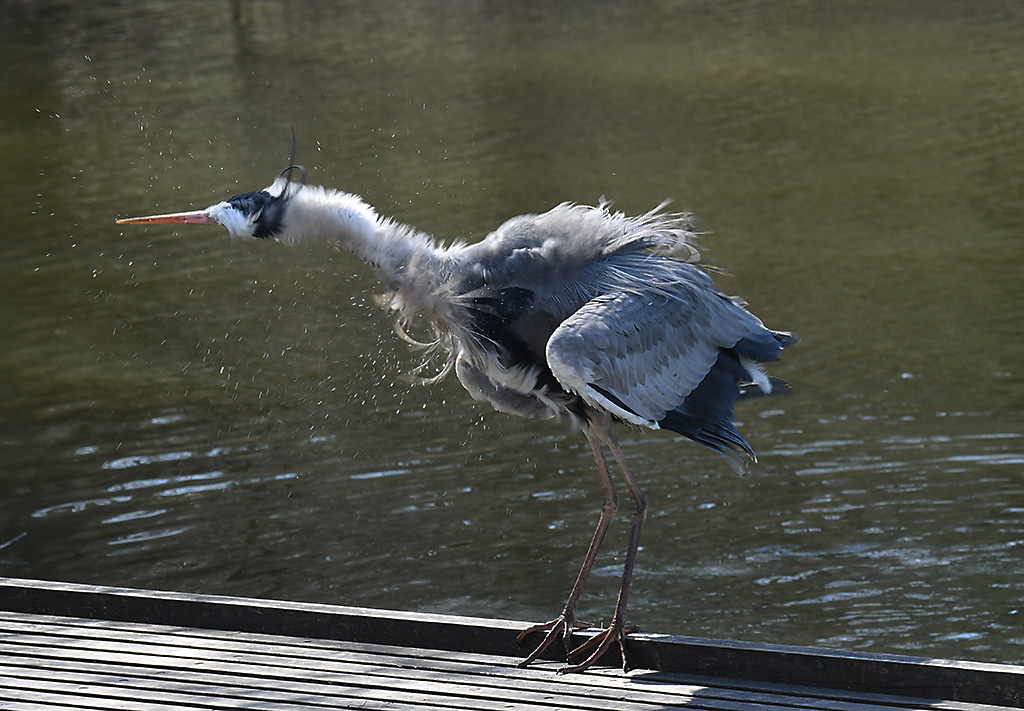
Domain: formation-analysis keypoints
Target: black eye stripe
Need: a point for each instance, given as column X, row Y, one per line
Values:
column 267, row 209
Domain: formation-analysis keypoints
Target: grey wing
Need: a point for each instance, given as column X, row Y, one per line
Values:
column 639, row 354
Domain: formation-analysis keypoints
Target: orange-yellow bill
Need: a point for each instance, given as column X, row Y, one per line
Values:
column 199, row 217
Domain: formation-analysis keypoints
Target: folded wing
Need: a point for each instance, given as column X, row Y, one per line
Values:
column 674, row 356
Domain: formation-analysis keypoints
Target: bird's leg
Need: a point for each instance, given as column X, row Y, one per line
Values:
column 563, row 625
column 616, row 631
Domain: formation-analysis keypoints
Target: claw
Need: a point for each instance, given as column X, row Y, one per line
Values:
column 562, row 626
column 600, row 643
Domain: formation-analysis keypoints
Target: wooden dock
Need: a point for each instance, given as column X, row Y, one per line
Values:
column 67, row 646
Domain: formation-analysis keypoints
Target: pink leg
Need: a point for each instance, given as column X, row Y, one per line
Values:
column 616, row 632
column 563, row 625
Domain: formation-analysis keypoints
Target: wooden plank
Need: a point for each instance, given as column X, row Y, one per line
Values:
column 32, row 700
column 334, row 689
column 248, row 680
column 142, row 681
column 871, row 673
column 195, row 685
column 442, row 662
column 198, row 697
column 182, row 692
column 258, row 666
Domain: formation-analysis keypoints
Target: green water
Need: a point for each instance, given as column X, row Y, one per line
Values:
column 180, row 412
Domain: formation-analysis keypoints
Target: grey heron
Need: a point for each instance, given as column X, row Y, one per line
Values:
column 578, row 313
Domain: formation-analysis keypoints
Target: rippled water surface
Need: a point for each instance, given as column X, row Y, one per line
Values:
column 184, row 413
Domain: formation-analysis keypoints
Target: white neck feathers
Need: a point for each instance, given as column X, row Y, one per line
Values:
column 408, row 262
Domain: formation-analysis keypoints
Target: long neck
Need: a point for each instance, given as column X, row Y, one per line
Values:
column 410, row 264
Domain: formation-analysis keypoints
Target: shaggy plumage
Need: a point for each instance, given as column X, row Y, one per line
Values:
column 578, row 312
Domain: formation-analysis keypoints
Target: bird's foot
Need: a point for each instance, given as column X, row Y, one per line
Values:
column 560, row 627
column 595, row 647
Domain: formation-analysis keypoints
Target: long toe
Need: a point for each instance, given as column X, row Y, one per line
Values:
column 595, row 647
column 559, row 628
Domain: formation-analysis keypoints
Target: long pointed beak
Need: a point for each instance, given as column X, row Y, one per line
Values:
column 199, row 217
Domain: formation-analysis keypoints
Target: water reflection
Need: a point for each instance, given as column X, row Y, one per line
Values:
column 179, row 412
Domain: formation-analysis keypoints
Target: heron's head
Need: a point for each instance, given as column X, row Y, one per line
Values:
column 255, row 215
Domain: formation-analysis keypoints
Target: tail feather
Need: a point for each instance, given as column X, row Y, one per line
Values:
column 706, row 415
column 721, row 436
column 785, row 338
